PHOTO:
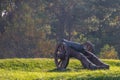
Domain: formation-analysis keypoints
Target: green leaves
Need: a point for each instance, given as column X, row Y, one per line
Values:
column 34, row 24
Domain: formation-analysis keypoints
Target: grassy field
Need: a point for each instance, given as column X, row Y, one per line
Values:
column 44, row 69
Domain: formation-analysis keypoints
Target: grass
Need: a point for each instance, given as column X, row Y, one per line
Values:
column 44, row 69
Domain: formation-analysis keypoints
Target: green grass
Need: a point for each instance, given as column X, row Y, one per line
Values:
column 44, row 69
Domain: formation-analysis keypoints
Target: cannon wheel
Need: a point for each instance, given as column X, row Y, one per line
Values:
column 61, row 56
column 89, row 46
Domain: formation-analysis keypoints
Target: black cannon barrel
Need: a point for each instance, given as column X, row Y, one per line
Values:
column 74, row 45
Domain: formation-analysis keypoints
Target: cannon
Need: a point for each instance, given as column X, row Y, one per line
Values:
column 83, row 52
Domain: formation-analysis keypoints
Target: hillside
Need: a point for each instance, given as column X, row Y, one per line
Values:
column 44, row 69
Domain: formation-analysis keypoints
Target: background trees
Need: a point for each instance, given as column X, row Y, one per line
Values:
column 32, row 28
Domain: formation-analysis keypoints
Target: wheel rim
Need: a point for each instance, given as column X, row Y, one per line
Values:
column 89, row 47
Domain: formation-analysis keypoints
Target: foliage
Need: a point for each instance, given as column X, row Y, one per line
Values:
column 32, row 28
column 108, row 52
column 39, row 69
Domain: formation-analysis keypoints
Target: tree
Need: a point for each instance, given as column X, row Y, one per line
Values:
column 61, row 13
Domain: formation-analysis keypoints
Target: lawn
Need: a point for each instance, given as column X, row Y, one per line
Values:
column 44, row 69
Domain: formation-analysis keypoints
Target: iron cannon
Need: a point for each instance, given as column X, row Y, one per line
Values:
column 83, row 52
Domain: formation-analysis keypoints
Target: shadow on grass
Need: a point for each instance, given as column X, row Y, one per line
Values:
column 59, row 70
column 66, row 70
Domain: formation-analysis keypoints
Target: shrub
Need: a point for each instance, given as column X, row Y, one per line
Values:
column 108, row 52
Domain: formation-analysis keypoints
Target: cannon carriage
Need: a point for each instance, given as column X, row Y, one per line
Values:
column 83, row 52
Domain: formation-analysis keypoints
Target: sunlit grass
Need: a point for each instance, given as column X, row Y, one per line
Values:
column 44, row 69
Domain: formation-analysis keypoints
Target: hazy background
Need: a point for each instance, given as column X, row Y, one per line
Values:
column 31, row 28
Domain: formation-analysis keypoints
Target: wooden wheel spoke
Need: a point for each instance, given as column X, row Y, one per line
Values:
column 59, row 62
column 63, row 63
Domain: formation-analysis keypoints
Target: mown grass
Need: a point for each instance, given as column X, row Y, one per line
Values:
column 44, row 69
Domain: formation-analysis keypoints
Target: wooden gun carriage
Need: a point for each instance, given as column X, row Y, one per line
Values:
column 83, row 52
